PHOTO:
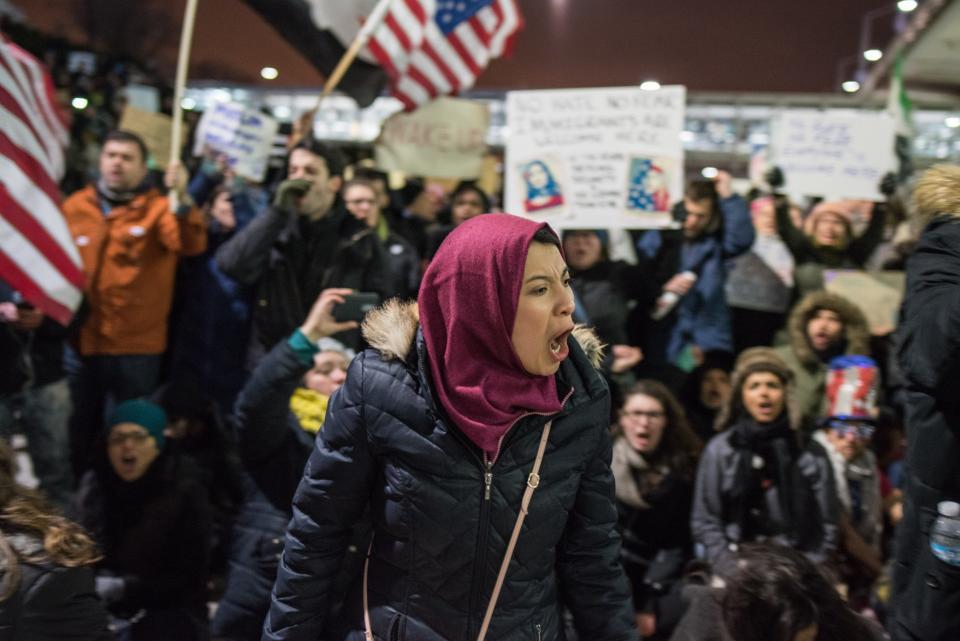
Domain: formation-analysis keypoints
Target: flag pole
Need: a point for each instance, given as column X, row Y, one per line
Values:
column 374, row 20
column 183, row 61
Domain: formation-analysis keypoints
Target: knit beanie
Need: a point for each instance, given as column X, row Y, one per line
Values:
column 147, row 415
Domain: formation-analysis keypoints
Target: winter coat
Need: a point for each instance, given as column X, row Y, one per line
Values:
column 809, row 371
column 442, row 518
column 129, row 260
column 31, row 359
column 290, row 259
column 608, row 291
column 811, row 261
column 926, row 591
column 51, row 602
column 713, row 517
column 155, row 534
column 274, row 450
column 211, row 329
column 656, row 538
column 701, row 317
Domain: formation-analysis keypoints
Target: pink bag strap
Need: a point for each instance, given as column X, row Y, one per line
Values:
column 533, row 482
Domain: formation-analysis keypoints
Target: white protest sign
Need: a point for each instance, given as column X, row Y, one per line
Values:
column 834, row 153
column 446, row 138
column 595, row 158
column 244, row 135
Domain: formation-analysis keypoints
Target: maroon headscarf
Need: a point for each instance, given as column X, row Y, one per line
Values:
column 468, row 302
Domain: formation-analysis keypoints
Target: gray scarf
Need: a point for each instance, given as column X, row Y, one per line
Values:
column 116, row 197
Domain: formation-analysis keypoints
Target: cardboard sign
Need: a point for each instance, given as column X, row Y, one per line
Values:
column 244, row 136
column 155, row 131
column 595, row 158
column 444, row 139
column 877, row 294
column 834, row 154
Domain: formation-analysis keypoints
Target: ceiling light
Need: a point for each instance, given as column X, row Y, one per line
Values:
column 649, row 85
column 907, row 6
column 872, row 55
column 80, row 103
column 850, row 86
column 709, row 172
column 188, row 103
column 269, row 73
column 952, row 121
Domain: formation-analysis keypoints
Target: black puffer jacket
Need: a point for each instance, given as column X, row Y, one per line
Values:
column 438, row 542
column 926, row 591
column 51, row 602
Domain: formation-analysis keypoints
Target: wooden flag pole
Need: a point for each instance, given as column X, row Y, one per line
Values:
column 305, row 122
column 183, row 61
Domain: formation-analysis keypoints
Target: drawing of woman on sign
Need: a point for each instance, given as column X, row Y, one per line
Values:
column 648, row 186
column 543, row 192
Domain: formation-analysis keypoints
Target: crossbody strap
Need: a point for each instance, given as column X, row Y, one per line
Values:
column 533, row 482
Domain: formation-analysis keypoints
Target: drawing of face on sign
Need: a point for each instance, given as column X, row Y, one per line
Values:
column 543, row 190
column 649, row 185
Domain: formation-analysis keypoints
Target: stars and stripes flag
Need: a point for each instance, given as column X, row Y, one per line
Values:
column 431, row 48
column 37, row 254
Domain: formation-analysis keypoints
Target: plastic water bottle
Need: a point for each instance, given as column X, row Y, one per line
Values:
column 945, row 535
column 669, row 300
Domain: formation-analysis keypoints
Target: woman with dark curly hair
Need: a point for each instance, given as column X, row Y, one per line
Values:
column 654, row 462
column 46, row 579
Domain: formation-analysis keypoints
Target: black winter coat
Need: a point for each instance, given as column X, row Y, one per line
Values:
column 926, row 591
column 274, row 450
column 438, row 540
column 52, row 602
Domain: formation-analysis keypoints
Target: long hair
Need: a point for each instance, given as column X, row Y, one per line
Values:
column 679, row 446
column 26, row 511
column 776, row 592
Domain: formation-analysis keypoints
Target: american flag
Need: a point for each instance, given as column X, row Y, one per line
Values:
column 431, row 48
column 37, row 254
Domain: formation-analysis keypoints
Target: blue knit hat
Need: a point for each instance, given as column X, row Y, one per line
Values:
column 147, row 415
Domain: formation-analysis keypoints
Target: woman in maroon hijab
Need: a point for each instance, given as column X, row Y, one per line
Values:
column 478, row 399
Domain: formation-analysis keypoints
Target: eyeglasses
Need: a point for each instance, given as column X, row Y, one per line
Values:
column 860, row 430
column 653, row 416
column 137, row 438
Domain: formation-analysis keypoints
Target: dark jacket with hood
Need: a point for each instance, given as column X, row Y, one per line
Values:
column 439, row 538
column 274, row 450
column 290, row 259
column 809, row 368
column 725, row 511
column 51, row 602
column 926, row 591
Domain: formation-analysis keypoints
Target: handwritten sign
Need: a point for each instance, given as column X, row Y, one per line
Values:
column 244, row 136
column 877, row 294
column 155, row 131
column 834, row 154
column 608, row 158
column 444, row 139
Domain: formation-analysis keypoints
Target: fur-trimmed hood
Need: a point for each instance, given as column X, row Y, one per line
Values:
column 391, row 329
column 937, row 193
column 750, row 361
column 855, row 326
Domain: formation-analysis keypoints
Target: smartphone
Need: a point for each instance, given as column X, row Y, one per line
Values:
column 355, row 306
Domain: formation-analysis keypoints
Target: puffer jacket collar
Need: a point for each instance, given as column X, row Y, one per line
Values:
column 855, row 327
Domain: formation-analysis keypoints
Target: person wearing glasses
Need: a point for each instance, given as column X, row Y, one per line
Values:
column 762, row 478
column 148, row 512
column 654, row 461
column 847, row 430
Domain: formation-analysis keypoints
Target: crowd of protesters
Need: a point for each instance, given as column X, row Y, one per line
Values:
column 173, row 419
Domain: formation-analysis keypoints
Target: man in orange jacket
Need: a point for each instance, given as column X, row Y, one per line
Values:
column 129, row 240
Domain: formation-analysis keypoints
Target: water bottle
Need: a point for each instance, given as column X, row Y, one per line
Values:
column 945, row 535
column 669, row 300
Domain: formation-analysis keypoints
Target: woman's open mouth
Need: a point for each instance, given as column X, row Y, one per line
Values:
column 558, row 346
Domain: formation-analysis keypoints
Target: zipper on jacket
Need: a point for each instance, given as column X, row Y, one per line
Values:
column 487, row 479
column 539, row 629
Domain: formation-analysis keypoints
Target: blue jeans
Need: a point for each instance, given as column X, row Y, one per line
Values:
column 42, row 415
column 98, row 384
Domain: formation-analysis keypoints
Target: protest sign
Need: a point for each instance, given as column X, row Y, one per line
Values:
column 444, row 138
column 244, row 136
column 154, row 129
column 834, row 154
column 608, row 158
column 877, row 294
column 143, row 97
